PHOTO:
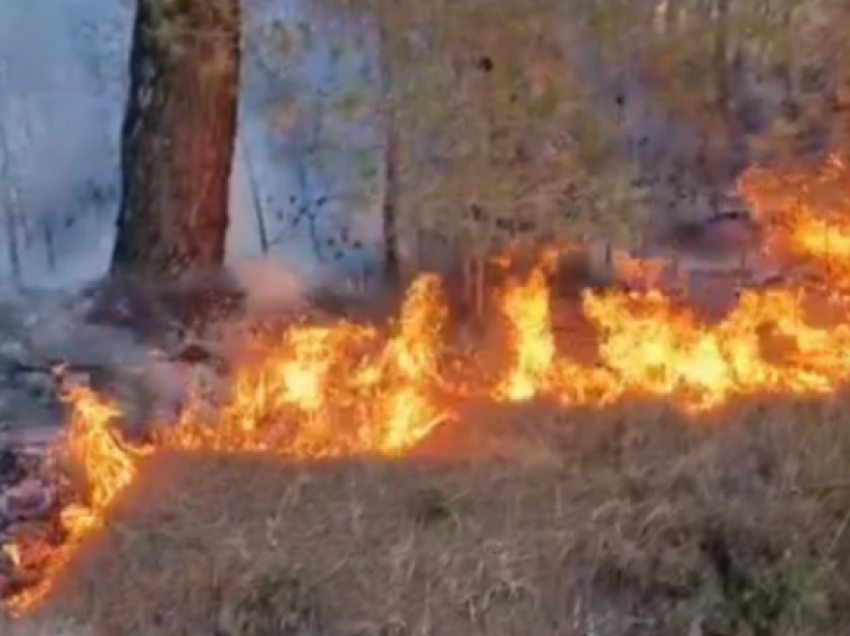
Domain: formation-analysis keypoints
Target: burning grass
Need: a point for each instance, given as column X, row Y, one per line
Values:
column 682, row 477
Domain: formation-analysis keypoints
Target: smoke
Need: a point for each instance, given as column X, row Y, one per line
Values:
column 272, row 284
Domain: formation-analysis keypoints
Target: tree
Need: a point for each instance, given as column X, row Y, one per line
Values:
column 390, row 203
column 178, row 135
column 10, row 213
column 488, row 137
column 502, row 144
column 9, row 203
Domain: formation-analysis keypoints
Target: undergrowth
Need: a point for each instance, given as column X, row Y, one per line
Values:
column 629, row 521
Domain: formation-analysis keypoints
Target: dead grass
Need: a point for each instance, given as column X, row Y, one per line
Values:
column 523, row 522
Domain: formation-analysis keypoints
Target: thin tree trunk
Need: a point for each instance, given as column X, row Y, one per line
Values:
column 306, row 208
column 735, row 153
column 49, row 244
column 178, row 135
column 389, row 207
column 12, row 237
column 9, row 204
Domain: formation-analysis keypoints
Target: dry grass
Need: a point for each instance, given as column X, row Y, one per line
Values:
column 624, row 522
column 43, row 627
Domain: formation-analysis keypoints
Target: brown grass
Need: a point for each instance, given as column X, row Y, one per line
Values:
column 626, row 522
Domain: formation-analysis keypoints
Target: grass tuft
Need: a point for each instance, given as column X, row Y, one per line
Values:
column 273, row 600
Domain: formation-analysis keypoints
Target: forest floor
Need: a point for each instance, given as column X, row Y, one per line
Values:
column 512, row 521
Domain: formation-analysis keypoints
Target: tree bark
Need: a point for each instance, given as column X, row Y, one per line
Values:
column 178, row 136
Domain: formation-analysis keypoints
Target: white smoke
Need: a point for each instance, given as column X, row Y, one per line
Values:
column 270, row 284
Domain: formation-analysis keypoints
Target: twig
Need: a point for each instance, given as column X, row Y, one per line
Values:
column 255, row 197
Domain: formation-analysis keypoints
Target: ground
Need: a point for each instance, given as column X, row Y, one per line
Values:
column 632, row 520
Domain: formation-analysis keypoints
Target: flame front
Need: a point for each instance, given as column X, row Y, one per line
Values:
column 344, row 388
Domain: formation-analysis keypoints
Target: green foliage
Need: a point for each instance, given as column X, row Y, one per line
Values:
column 285, row 41
column 506, row 125
column 176, row 26
column 488, row 114
column 491, row 114
column 350, row 103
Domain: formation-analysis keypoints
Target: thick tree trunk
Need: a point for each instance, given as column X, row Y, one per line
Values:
column 178, row 136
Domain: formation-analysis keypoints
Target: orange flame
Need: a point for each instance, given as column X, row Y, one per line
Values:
column 807, row 214
column 304, row 393
column 109, row 468
column 527, row 309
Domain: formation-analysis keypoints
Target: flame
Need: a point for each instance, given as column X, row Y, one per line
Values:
column 14, row 553
column 649, row 344
column 332, row 390
column 808, row 216
column 329, row 390
column 109, row 468
column 527, row 310
column 638, row 273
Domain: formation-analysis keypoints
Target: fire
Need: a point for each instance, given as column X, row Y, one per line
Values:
column 788, row 340
column 808, row 216
column 527, row 309
column 332, row 390
column 653, row 348
column 109, row 468
column 329, row 390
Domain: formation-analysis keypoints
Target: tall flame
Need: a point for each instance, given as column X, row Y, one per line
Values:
column 527, row 309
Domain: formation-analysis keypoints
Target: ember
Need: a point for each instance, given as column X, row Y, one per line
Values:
column 344, row 389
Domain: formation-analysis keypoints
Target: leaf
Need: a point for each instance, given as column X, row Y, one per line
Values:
column 545, row 105
column 350, row 103
column 367, row 164
column 284, row 115
column 337, row 52
column 363, row 200
column 305, row 32
column 282, row 38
